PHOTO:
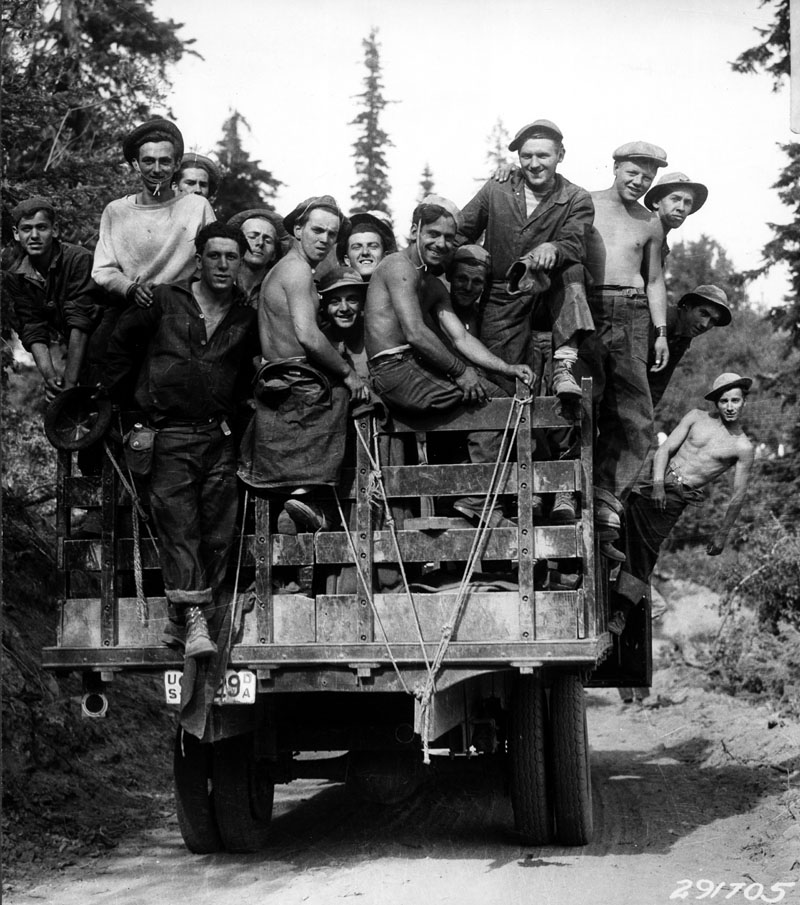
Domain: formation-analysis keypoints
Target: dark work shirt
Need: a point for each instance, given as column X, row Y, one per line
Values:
column 184, row 375
column 49, row 306
column 678, row 344
column 563, row 217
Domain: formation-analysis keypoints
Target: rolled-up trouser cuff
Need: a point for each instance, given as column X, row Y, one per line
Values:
column 181, row 598
column 630, row 587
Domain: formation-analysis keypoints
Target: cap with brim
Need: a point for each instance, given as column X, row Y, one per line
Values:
column 76, row 419
column 669, row 182
column 472, row 254
column 273, row 217
column 199, row 162
column 641, row 150
column 710, row 295
column 446, row 204
column 383, row 227
column 341, row 276
column 138, row 137
column 547, row 129
column 326, row 202
column 30, row 206
column 728, row 381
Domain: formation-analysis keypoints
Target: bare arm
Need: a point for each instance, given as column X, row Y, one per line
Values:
column 473, row 349
column 657, row 294
column 740, row 479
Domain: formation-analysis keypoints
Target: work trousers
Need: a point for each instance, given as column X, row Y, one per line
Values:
column 194, row 500
column 616, row 358
column 646, row 528
column 509, row 322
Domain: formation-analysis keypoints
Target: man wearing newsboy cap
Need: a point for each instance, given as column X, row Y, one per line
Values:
column 624, row 243
column 535, row 225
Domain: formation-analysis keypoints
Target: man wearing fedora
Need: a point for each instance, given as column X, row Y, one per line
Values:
column 702, row 447
column 623, row 244
column 674, row 197
column 295, row 442
column 197, row 175
column 535, row 223
column 369, row 239
column 267, row 239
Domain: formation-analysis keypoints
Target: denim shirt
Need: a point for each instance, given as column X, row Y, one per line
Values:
column 183, row 375
column 563, row 217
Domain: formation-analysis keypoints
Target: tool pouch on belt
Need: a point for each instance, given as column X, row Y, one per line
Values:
column 138, row 443
column 276, row 381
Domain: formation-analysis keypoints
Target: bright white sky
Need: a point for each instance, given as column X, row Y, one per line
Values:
column 606, row 71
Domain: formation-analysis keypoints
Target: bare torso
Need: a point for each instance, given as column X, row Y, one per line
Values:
column 619, row 240
column 275, row 326
column 710, row 448
column 382, row 325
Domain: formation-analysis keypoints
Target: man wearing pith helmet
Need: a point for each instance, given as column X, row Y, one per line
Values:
column 535, row 227
column 696, row 313
column 674, row 197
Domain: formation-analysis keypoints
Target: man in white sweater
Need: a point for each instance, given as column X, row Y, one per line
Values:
column 148, row 238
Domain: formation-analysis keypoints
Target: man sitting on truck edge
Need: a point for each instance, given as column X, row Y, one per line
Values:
column 51, row 295
column 702, row 447
column 295, row 442
column 412, row 369
column 200, row 340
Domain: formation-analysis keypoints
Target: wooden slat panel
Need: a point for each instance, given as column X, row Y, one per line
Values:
column 558, row 614
column 294, row 619
column 527, row 540
column 364, row 535
column 260, row 547
column 491, row 416
column 80, row 625
column 337, row 619
column 132, row 633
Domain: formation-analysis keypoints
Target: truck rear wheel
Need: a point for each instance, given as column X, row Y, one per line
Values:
column 527, row 742
column 194, row 801
column 572, row 776
column 243, row 795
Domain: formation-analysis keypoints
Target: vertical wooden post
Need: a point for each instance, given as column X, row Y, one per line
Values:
column 109, row 601
column 586, row 540
column 364, row 528
column 263, row 559
column 525, row 533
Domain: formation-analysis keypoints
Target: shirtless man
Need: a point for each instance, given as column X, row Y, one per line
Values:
column 369, row 240
column 296, row 439
column 701, row 448
column 624, row 243
column 411, row 368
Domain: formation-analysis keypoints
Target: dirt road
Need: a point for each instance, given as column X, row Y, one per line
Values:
column 692, row 787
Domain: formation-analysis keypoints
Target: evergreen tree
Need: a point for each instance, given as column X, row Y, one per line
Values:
column 371, row 191
column 426, row 183
column 700, row 263
column 497, row 153
column 244, row 182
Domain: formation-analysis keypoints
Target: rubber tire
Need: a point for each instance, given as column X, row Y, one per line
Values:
column 571, row 771
column 527, row 749
column 243, row 795
column 194, row 802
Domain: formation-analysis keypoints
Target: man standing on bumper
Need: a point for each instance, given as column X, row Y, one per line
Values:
column 200, row 342
column 624, row 243
column 295, row 442
column 537, row 220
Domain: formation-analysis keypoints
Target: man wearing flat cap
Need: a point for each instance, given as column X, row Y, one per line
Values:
column 701, row 449
column 535, row 225
column 51, row 295
column 295, row 443
column 267, row 238
column 674, row 197
column 147, row 238
column 197, row 175
column 369, row 239
column 623, row 244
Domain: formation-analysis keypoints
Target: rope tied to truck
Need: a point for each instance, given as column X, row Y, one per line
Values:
column 425, row 694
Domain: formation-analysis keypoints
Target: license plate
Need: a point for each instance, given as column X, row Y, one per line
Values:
column 238, row 687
